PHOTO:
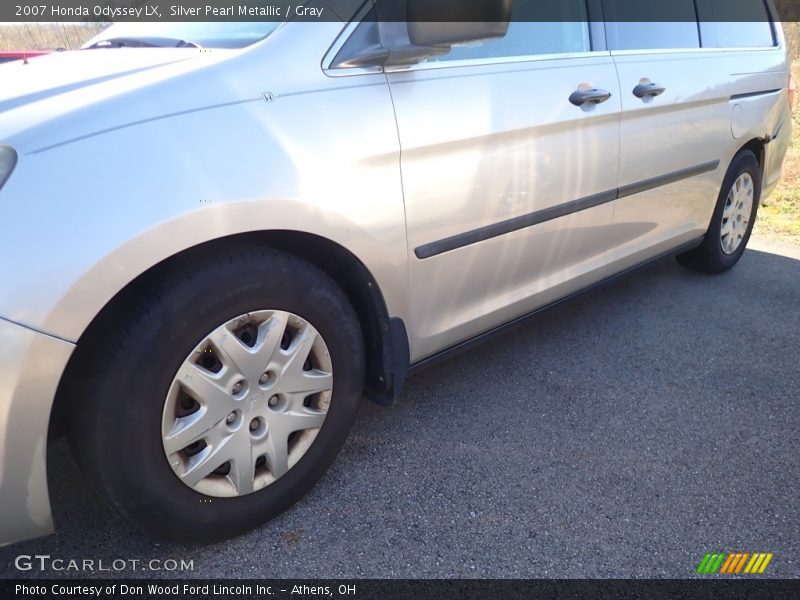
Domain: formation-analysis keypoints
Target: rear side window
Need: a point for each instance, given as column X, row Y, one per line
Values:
column 735, row 24
column 556, row 27
column 651, row 24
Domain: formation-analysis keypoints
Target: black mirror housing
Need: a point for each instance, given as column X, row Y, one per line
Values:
column 434, row 23
column 404, row 32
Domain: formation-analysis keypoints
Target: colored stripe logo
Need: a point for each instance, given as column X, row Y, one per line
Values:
column 735, row 563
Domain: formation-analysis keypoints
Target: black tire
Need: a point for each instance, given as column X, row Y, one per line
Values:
column 116, row 429
column 709, row 257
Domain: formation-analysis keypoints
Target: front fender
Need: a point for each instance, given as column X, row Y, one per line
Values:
column 96, row 286
column 83, row 219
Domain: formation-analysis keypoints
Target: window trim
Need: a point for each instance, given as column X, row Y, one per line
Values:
column 595, row 28
column 598, row 40
column 595, row 23
column 769, row 9
column 703, row 4
column 617, row 52
column 652, row 51
column 659, row 50
column 341, row 40
column 499, row 60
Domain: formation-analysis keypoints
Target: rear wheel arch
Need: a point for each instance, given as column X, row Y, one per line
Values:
column 733, row 218
column 758, row 147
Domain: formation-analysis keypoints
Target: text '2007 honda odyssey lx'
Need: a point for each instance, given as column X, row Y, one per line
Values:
column 218, row 236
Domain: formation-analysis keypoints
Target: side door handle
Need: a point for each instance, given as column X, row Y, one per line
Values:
column 648, row 90
column 592, row 96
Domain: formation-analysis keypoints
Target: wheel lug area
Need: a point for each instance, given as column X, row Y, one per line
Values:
column 234, row 420
column 239, row 387
column 277, row 403
column 258, row 427
column 267, row 379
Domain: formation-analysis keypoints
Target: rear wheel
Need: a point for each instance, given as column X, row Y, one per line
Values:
column 733, row 219
column 223, row 397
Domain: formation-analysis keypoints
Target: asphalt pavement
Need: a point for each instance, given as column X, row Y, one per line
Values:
column 623, row 434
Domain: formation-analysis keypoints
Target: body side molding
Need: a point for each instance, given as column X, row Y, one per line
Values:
column 655, row 182
column 554, row 212
column 754, row 94
column 511, row 225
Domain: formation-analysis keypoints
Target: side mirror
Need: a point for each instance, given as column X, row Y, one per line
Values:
column 446, row 22
column 404, row 32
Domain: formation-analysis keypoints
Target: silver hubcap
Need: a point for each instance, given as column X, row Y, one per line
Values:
column 247, row 403
column 736, row 215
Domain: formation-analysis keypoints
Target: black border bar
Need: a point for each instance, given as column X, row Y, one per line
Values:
column 440, row 589
column 395, row 10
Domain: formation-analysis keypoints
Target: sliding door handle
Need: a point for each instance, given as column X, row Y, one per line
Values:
column 593, row 96
column 648, row 90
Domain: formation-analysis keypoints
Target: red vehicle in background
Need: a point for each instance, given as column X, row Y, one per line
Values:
column 9, row 56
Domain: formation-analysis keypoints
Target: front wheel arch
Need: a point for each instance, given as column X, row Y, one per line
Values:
column 241, row 305
column 385, row 338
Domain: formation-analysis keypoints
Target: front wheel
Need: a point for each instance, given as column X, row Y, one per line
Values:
column 733, row 219
column 222, row 397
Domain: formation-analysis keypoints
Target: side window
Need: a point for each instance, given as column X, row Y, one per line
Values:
column 556, row 27
column 651, row 24
column 736, row 24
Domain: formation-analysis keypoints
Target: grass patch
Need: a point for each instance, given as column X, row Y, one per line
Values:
column 780, row 212
column 779, row 215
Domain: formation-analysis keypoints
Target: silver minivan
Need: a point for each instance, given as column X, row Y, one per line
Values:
column 218, row 237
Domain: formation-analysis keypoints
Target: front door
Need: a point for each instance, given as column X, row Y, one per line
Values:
column 510, row 153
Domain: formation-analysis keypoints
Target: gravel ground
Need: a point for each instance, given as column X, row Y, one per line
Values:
column 624, row 434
